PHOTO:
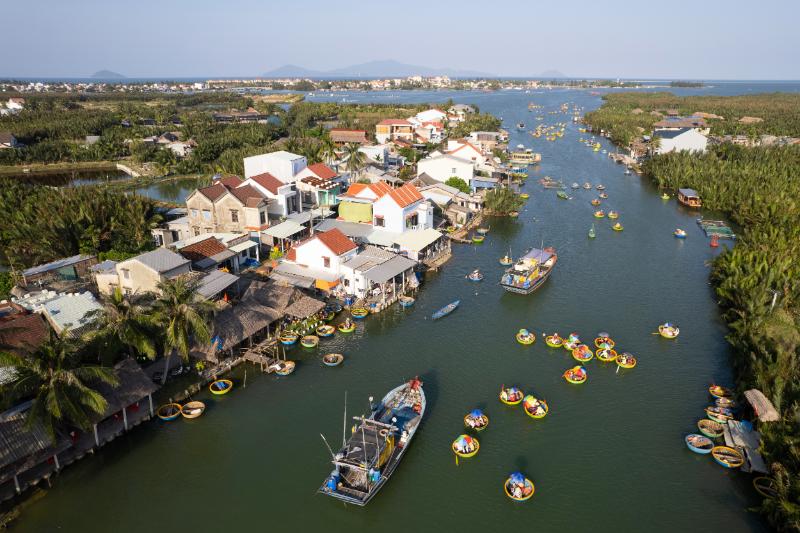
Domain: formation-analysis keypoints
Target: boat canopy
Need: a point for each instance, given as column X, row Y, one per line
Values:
column 539, row 255
column 688, row 192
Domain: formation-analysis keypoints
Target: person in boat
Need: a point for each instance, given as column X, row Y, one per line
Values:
column 347, row 323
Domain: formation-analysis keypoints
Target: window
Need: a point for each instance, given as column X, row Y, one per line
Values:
column 196, row 230
column 126, row 273
column 262, row 217
column 346, row 282
column 453, row 172
column 195, row 213
column 206, row 214
column 234, row 215
column 326, row 262
column 412, row 220
column 379, row 222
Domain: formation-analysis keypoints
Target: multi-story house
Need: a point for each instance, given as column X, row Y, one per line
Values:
column 393, row 129
column 402, row 209
column 229, row 205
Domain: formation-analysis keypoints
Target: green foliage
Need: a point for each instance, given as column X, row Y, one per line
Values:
column 502, row 201
column 39, row 224
column 6, row 284
column 124, row 326
column 476, row 122
column 458, row 183
column 275, row 253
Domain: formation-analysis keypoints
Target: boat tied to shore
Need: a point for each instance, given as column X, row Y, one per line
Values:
column 530, row 271
column 377, row 444
column 446, row 310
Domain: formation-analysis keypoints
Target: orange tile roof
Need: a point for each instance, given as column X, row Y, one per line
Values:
column 322, row 170
column 248, row 195
column 213, row 192
column 203, row 249
column 230, row 181
column 405, row 195
column 336, row 241
column 379, row 189
column 268, row 181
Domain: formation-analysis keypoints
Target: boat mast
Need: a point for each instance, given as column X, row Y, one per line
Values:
column 333, row 457
column 344, row 421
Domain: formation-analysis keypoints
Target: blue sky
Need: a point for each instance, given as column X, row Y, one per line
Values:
column 709, row 39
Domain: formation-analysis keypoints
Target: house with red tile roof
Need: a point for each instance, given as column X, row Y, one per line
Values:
column 284, row 197
column 320, row 185
column 320, row 258
column 228, row 205
column 394, row 129
column 355, row 205
column 402, row 209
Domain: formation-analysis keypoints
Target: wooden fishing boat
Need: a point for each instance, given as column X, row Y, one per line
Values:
column 765, row 486
column 511, row 396
column 582, row 353
column 518, row 487
column 606, row 355
column 475, row 275
column 525, row 337
column 288, row 338
column 626, row 360
column 595, row 202
column 710, row 428
column 193, row 409
column 309, row 341
column 359, row 312
column 332, row 359
column 530, row 271
column 446, row 310
column 718, row 391
column 699, row 443
column 604, row 341
column 465, row 446
column 554, row 340
column 613, row 215
column 478, row 239
column 506, row 260
column 668, row 331
column 576, row 375
column 169, row 412
column 617, row 227
column 599, row 213
column 476, row 420
column 534, row 407
column 727, row 456
column 374, row 450
column 220, row 386
column 679, row 234
column 283, row 368
column 689, row 198
column 719, row 414
column 348, row 326
column 326, row 331
column 406, row 301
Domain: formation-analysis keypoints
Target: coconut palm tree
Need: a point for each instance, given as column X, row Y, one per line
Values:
column 184, row 316
column 328, row 150
column 124, row 324
column 59, row 382
column 356, row 159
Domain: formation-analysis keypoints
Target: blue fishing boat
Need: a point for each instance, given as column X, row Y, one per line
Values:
column 530, row 271
column 446, row 310
column 376, row 446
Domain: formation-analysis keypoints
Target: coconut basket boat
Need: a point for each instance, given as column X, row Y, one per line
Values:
column 169, row 412
column 518, row 487
column 193, row 409
column 220, row 386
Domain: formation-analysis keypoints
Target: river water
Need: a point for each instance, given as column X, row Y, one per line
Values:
column 609, row 456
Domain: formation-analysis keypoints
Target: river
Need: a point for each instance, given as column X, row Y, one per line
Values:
column 609, row 456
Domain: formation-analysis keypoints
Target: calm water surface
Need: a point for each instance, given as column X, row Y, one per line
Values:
column 609, row 457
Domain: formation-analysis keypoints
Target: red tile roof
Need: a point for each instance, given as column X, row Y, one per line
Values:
column 248, row 195
column 405, row 195
column 213, row 192
column 336, row 241
column 379, row 189
column 268, row 181
column 231, row 181
column 23, row 333
column 322, row 170
column 203, row 249
column 394, row 122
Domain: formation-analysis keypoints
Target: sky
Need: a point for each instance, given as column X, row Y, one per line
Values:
column 671, row 39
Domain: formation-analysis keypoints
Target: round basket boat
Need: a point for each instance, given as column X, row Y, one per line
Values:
column 284, row 368
column 359, row 312
column 719, row 414
column 465, row 446
column 518, row 487
column 604, row 342
column 524, row 195
column 309, row 341
column 326, row 331
column 347, row 328
column 718, row 391
column 613, row 215
column 288, row 338
column 727, row 456
column 679, row 234
column 765, row 486
column 727, row 403
column 582, row 353
column 576, row 375
column 475, row 276
column 599, row 213
column 332, row 359
column 169, row 412
column 482, row 231
column 406, row 301
column 626, row 360
column 699, row 443
column 220, row 386
column 511, row 396
column 506, row 261
column 710, row 428
column 327, row 316
column 525, row 337
column 596, row 202
column 606, row 355
column 534, row 407
column 603, row 195
column 668, row 331
column 554, row 341
column 617, row 227
column 478, row 239
column 476, row 420
column 193, row 409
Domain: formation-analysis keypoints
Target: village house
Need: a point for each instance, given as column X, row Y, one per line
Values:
column 182, row 149
column 319, row 258
column 393, row 129
column 460, row 111
column 356, row 204
column 341, row 136
column 402, row 209
column 284, row 198
column 229, row 205
column 15, row 103
column 445, row 166
column 485, row 140
column 7, row 140
column 143, row 273
column 319, row 185
column 678, row 140
column 457, row 206
column 69, row 314
column 21, row 331
column 229, row 251
column 68, row 269
column 678, row 123
column 281, row 164
column 377, row 274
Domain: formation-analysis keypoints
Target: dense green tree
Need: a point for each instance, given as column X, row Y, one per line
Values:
column 458, row 183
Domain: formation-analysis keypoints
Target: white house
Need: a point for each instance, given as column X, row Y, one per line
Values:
column 402, row 209
column 284, row 197
column 321, row 257
column 445, row 166
column 376, row 152
column 688, row 139
column 15, row 104
column 431, row 115
column 466, row 150
column 377, row 272
column 282, row 164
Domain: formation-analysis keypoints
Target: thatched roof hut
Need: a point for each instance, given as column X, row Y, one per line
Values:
column 761, row 405
column 304, row 307
column 133, row 386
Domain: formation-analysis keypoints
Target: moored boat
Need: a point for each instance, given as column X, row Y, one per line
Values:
column 326, row 331
column 534, row 407
column 283, row 368
column 193, row 409
column 626, row 360
column 406, row 301
column 765, row 486
column 562, row 195
column 169, row 412
column 374, row 450
column 446, row 310
column 599, row 213
column 348, row 326
column 511, row 396
column 613, row 215
column 518, row 487
column 309, row 341
column 665, row 196
column 288, row 338
column 604, row 341
column 332, row 359
column 595, row 202
column 718, row 391
column 719, row 414
column 525, row 337
column 710, row 428
column 699, row 443
column 524, row 195
column 554, row 340
column 465, row 446
column 478, row 239
column 359, row 312
column 220, row 386
column 475, row 275
column 603, row 195
column 506, row 260
column 476, row 420
column 582, row 353
column 530, row 271
column 576, row 186
column 669, row 331
column 587, row 185
column 576, row 375
column 727, row 456
column 728, row 403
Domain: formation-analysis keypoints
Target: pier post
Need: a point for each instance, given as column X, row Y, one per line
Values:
column 96, row 436
column 150, row 398
column 125, row 418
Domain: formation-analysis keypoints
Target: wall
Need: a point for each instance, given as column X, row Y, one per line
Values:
column 442, row 169
column 355, row 211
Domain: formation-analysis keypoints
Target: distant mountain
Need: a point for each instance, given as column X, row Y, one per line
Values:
column 373, row 69
column 108, row 75
column 552, row 74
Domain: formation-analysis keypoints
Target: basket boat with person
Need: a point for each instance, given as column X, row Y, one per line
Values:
column 476, row 419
